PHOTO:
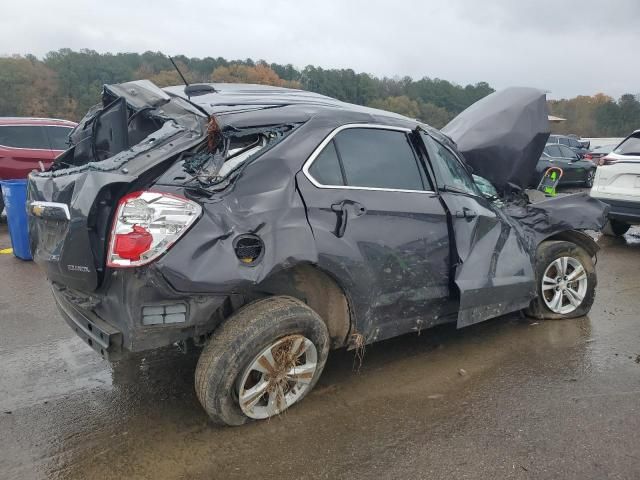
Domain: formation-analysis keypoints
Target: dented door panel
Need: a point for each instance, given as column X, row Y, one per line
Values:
column 494, row 271
column 492, row 266
column 394, row 258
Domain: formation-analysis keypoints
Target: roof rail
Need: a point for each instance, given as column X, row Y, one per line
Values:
column 38, row 118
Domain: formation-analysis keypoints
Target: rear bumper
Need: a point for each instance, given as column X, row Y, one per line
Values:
column 136, row 311
column 103, row 337
column 623, row 211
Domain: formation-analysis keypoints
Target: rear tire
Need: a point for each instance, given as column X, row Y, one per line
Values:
column 226, row 363
column 556, row 262
column 615, row 228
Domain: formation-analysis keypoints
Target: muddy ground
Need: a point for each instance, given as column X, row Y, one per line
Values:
column 555, row 399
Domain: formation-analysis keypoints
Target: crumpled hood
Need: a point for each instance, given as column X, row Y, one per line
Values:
column 503, row 135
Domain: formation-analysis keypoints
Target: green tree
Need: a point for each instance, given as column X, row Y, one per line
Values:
column 629, row 108
column 402, row 105
column 435, row 116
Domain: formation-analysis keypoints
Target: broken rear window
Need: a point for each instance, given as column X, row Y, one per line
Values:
column 227, row 150
column 105, row 132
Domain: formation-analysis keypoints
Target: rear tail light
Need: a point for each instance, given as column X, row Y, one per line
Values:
column 606, row 160
column 588, row 156
column 145, row 226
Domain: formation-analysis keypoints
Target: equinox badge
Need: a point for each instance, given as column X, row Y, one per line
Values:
column 78, row 268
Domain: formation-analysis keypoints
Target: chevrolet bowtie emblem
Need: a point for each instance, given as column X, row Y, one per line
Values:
column 37, row 210
column 53, row 210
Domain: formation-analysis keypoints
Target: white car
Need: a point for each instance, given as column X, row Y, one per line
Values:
column 617, row 183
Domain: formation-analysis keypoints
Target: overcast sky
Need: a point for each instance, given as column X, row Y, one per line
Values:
column 569, row 47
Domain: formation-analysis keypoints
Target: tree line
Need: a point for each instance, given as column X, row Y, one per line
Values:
column 597, row 116
column 65, row 83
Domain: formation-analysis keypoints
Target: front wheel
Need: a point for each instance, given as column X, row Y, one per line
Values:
column 261, row 361
column 566, row 281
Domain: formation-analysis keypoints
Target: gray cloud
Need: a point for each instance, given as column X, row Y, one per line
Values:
column 569, row 48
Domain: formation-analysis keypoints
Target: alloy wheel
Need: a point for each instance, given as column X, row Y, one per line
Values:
column 277, row 377
column 564, row 285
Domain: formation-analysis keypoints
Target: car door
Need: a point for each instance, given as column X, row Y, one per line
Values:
column 379, row 228
column 492, row 267
column 22, row 149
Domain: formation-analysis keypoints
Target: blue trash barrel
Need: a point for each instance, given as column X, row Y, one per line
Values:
column 15, row 203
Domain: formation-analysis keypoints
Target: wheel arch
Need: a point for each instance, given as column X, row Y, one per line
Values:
column 575, row 236
column 320, row 291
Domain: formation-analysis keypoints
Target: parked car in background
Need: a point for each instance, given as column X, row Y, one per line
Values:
column 597, row 153
column 576, row 171
column 617, row 183
column 571, row 142
column 585, row 143
column 26, row 144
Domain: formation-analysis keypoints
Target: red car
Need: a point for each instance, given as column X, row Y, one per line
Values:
column 27, row 142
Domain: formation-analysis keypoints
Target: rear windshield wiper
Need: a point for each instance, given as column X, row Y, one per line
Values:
column 193, row 104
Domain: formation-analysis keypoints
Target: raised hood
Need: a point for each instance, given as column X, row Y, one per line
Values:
column 503, row 135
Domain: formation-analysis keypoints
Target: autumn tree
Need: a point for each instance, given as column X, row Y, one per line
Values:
column 165, row 78
column 260, row 73
column 27, row 88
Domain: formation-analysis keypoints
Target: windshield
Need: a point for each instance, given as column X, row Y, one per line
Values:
column 630, row 146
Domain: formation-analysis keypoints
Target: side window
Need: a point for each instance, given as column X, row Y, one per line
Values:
column 447, row 168
column 564, row 141
column 326, row 167
column 58, row 137
column 378, row 158
column 23, row 136
column 567, row 152
column 554, row 150
column 371, row 158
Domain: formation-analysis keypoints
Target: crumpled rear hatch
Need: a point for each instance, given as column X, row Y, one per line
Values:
column 137, row 128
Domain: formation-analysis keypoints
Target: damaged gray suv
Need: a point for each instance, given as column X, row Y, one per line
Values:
column 273, row 225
